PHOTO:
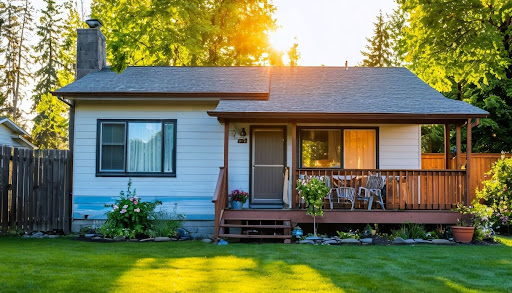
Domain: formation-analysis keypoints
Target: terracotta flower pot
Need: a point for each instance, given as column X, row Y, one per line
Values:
column 463, row 234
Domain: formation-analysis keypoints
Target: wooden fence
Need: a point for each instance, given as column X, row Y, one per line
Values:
column 481, row 163
column 34, row 190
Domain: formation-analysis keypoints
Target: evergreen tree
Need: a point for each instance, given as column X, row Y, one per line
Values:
column 67, row 51
column 378, row 52
column 50, row 126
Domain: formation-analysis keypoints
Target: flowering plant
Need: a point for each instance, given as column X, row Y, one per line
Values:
column 239, row 195
column 313, row 190
column 496, row 194
column 130, row 216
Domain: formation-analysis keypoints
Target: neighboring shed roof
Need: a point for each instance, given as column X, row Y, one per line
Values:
column 361, row 90
column 13, row 126
column 186, row 81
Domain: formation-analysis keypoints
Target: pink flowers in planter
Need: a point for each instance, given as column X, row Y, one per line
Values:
column 137, row 210
column 123, row 211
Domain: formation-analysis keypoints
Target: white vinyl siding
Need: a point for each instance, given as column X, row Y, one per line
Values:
column 199, row 154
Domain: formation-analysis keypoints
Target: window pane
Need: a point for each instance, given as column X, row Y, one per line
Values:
column 144, row 147
column 168, row 147
column 321, row 148
column 112, row 133
column 360, row 149
column 112, row 158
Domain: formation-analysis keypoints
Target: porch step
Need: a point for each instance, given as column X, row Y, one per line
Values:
column 255, row 228
column 250, row 236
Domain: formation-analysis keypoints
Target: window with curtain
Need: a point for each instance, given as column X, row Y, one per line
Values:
column 338, row 148
column 136, row 147
column 359, row 149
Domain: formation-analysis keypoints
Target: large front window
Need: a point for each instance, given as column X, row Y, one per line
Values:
column 338, row 148
column 136, row 148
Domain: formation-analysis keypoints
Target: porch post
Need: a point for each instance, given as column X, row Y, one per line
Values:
column 457, row 146
column 226, row 155
column 294, row 166
column 468, row 163
column 447, row 146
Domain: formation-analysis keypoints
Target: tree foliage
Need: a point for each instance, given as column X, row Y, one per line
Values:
column 294, row 54
column 378, row 52
column 185, row 32
column 50, row 123
column 463, row 49
column 14, row 54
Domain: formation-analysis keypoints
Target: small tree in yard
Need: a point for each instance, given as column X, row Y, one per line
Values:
column 313, row 190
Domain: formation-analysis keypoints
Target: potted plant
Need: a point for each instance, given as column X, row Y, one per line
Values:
column 313, row 190
column 238, row 198
column 465, row 228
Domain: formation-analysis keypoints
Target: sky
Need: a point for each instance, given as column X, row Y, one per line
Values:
column 329, row 32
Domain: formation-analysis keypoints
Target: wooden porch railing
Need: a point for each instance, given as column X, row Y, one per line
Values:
column 404, row 189
column 220, row 199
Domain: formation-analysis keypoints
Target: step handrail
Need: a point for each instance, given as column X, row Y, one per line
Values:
column 220, row 199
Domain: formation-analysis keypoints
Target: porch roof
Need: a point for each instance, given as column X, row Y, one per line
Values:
column 356, row 92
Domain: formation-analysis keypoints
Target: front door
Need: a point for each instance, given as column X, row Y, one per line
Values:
column 268, row 160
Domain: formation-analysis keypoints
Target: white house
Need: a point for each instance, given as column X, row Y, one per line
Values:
column 169, row 129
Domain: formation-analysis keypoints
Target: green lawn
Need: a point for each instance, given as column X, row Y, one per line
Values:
column 47, row 265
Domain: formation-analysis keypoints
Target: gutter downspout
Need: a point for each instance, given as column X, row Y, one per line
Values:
column 71, row 143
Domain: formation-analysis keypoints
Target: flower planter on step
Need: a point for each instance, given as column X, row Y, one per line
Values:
column 236, row 205
column 463, row 234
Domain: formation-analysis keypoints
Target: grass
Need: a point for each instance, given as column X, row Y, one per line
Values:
column 57, row 265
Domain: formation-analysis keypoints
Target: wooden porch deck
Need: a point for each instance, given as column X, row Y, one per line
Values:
column 342, row 216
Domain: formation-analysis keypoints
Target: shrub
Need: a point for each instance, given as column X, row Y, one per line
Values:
column 410, row 231
column 130, row 216
column 347, row 235
column 313, row 190
column 494, row 202
column 166, row 224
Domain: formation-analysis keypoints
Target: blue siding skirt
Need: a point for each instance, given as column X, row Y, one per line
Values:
column 197, row 208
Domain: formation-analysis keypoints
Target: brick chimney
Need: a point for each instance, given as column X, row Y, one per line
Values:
column 90, row 52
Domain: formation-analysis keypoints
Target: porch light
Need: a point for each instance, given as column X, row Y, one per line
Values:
column 243, row 133
column 94, row 23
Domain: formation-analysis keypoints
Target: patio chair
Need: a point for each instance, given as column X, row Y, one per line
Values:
column 372, row 189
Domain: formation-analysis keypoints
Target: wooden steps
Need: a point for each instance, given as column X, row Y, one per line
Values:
column 255, row 228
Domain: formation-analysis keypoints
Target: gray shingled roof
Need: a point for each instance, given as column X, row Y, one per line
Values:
column 292, row 89
column 176, row 80
column 352, row 90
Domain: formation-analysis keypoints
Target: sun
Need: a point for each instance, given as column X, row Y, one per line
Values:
column 281, row 40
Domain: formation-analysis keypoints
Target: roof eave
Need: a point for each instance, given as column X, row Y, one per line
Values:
column 346, row 117
column 160, row 95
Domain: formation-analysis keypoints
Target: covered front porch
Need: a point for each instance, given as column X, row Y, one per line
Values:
column 409, row 194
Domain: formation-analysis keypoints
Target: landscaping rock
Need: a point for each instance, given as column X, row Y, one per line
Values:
column 399, row 240
column 350, row 241
column 182, row 233
column 162, row 239
column 53, row 236
column 91, row 235
column 366, row 240
column 174, row 239
column 97, row 238
column 119, row 238
column 330, row 242
column 306, row 242
column 222, row 242
column 206, row 240
column 46, row 236
column 26, row 236
column 108, row 239
column 442, row 242
column 37, row 235
column 147, row 240
column 410, row 241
